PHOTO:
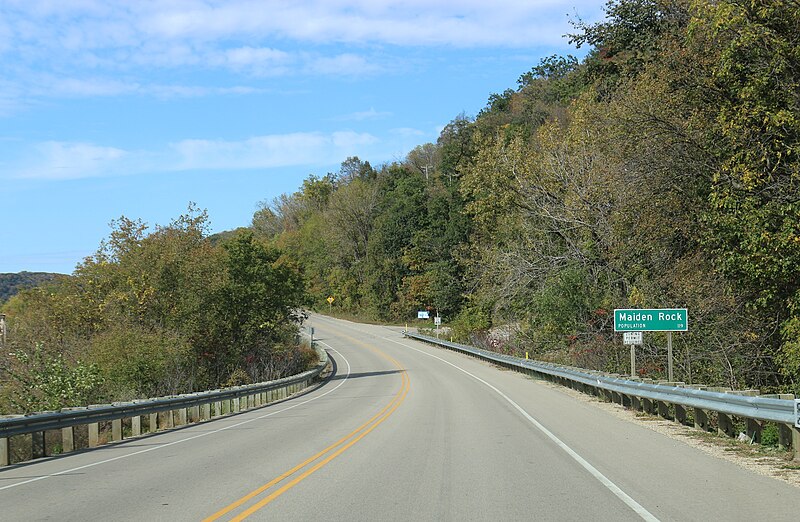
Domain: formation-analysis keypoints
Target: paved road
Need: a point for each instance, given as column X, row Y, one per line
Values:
column 402, row 431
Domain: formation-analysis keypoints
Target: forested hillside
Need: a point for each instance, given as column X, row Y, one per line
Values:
column 659, row 171
column 10, row 284
column 154, row 312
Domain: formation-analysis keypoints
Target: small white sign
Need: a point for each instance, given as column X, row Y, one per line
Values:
column 797, row 413
column 632, row 338
column 437, row 320
column 423, row 314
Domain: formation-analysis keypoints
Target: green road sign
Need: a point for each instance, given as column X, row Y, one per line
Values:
column 655, row 320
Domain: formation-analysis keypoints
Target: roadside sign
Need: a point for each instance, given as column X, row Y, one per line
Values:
column 632, row 338
column 423, row 314
column 437, row 320
column 330, row 300
column 651, row 320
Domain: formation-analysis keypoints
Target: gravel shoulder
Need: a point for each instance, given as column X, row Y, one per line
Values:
column 764, row 461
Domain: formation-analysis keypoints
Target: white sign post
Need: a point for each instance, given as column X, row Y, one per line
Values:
column 633, row 338
column 437, row 321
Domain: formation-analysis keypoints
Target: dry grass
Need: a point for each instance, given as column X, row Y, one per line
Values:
column 768, row 461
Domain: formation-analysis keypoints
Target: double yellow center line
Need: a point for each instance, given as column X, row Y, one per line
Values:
column 315, row 462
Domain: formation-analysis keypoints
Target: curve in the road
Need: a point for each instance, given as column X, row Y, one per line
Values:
column 184, row 440
column 305, row 468
column 605, row 481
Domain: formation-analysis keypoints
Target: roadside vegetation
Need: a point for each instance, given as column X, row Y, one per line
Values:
column 660, row 170
column 154, row 312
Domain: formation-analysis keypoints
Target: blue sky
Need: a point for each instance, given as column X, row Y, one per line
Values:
column 136, row 108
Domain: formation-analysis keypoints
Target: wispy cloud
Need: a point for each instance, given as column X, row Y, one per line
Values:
column 253, row 36
column 370, row 114
column 53, row 160
column 408, row 22
column 271, row 151
column 407, row 132
column 64, row 160
column 112, row 48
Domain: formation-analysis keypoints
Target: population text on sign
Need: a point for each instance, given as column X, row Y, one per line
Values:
column 655, row 320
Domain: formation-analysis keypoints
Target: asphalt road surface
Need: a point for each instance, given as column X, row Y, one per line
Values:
column 401, row 431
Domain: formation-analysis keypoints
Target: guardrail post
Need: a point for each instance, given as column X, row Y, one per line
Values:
column 701, row 419
column 5, row 451
column 136, row 425
column 680, row 414
column 725, row 425
column 753, row 430
column 182, row 417
column 152, row 426
column 636, row 403
column 237, row 404
column 68, row 434
column 789, row 437
column 663, row 410
column 68, row 439
column 94, row 434
column 116, row 430
column 205, row 412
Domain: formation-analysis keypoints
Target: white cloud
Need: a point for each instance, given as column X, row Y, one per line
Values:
column 58, row 160
column 89, row 87
column 259, row 61
column 407, row 132
column 370, row 114
column 68, row 160
column 196, row 24
column 347, row 64
column 511, row 23
column 278, row 150
column 111, row 47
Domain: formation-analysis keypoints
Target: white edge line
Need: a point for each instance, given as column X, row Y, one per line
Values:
column 153, row 448
column 630, row 502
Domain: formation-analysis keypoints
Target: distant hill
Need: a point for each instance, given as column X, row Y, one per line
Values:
column 221, row 237
column 10, row 284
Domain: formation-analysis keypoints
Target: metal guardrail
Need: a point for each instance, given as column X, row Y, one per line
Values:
column 13, row 425
column 781, row 411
